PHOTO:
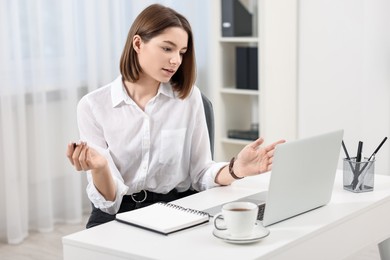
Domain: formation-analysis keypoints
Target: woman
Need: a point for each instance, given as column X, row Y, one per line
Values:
column 144, row 135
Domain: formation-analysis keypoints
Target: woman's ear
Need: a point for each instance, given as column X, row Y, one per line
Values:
column 137, row 43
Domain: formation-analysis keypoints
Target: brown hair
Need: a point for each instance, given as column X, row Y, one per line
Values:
column 151, row 22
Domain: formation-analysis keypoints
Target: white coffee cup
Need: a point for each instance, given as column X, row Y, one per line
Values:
column 240, row 218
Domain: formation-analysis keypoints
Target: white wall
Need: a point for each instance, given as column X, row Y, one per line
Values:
column 278, row 69
column 344, row 72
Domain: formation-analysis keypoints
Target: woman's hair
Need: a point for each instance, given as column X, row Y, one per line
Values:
column 151, row 22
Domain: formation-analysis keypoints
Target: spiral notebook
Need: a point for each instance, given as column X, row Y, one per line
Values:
column 163, row 218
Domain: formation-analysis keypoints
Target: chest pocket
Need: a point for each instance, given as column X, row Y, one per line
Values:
column 172, row 144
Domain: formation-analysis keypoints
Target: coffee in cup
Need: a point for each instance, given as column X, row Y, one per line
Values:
column 239, row 218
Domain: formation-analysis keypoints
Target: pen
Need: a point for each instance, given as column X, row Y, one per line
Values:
column 377, row 149
column 356, row 173
column 369, row 159
column 347, row 155
column 345, row 150
column 374, row 153
column 359, row 152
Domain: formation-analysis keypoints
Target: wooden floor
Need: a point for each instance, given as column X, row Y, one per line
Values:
column 40, row 246
column 48, row 246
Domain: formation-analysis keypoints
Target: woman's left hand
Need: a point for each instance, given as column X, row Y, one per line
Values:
column 255, row 159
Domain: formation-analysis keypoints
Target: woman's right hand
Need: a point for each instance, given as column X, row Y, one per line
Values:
column 85, row 158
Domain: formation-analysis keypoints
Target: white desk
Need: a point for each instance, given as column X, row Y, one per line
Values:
column 347, row 224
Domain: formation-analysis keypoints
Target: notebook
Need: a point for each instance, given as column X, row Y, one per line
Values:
column 302, row 178
column 163, row 218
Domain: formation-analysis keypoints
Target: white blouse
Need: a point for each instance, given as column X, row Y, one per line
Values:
column 159, row 149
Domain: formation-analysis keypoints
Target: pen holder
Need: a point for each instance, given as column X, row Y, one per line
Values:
column 358, row 176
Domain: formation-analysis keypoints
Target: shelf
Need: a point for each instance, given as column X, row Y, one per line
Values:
column 275, row 34
column 235, row 141
column 235, row 108
column 239, row 39
column 240, row 91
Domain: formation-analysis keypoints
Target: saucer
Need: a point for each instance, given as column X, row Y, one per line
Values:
column 259, row 232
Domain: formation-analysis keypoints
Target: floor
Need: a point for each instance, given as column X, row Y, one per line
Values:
column 48, row 246
column 40, row 246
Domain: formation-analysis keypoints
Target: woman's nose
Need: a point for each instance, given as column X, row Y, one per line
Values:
column 176, row 59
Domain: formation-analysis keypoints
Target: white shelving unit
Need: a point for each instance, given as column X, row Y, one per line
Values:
column 273, row 106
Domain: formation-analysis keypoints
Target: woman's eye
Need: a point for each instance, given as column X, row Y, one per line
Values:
column 166, row 48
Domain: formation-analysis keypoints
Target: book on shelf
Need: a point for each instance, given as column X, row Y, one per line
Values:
column 243, row 134
column 163, row 218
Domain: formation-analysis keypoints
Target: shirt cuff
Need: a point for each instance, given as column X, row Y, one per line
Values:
column 110, row 207
column 209, row 177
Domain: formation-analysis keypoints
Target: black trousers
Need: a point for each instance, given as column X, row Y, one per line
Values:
column 99, row 217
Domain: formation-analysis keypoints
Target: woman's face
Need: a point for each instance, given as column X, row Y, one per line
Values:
column 162, row 55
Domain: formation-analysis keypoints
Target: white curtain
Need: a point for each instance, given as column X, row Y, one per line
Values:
column 52, row 53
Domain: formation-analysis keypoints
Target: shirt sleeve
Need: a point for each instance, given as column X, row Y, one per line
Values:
column 203, row 168
column 92, row 133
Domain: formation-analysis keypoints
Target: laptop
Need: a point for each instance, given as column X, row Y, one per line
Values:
column 302, row 178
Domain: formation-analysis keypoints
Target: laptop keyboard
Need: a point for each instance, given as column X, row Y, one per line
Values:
column 260, row 214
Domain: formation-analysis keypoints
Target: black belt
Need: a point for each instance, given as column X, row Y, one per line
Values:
column 139, row 196
column 149, row 196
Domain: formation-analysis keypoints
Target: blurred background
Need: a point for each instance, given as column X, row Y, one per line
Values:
column 51, row 54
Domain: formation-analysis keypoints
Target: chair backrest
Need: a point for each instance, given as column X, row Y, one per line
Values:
column 209, row 112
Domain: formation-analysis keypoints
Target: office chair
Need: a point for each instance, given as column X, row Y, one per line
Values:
column 209, row 112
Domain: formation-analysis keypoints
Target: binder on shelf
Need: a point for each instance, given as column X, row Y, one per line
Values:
column 247, row 68
column 243, row 134
column 253, row 72
column 236, row 19
column 163, row 218
column 242, row 79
